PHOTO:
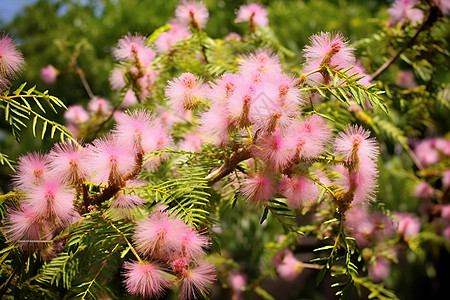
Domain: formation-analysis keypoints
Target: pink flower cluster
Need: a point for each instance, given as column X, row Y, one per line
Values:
column 288, row 267
column 11, row 61
column 167, row 241
column 253, row 13
column 404, row 11
column 137, row 71
column 49, row 74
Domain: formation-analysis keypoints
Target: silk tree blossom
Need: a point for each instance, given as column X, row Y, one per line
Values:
column 408, row 224
column 444, row 6
column 11, row 61
column 129, row 99
column 265, row 64
column 290, row 267
column 166, row 40
column 273, row 148
column 424, row 190
column 76, row 115
column 253, row 13
column 192, row 13
column 185, row 92
column 258, row 188
column 195, row 281
column 380, row 269
column 446, row 179
column 100, row 106
column 299, row 191
column 32, row 169
column 354, row 144
column 117, row 78
column 107, row 161
column 51, row 199
column 134, row 48
column 403, row 11
column 49, row 74
column 145, row 279
column 128, row 201
column 191, row 243
column 133, row 129
column 22, row 224
column 65, row 163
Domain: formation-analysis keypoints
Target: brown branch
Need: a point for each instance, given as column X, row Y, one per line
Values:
column 229, row 165
column 80, row 73
column 432, row 17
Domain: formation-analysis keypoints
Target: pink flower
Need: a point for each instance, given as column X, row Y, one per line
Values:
column 145, row 279
column 157, row 138
column 354, row 144
column 237, row 283
column 192, row 13
column 308, row 138
column 446, row 179
column 444, row 6
column 134, row 48
column 192, row 143
column 49, row 74
column 253, row 13
column 64, row 163
column 166, row 40
column 11, row 60
column 273, row 149
column 426, row 152
column 76, row 115
column 191, row 243
column 129, row 99
column 360, row 223
column 128, row 201
column 290, row 267
column 184, row 92
column 50, row 199
column 108, row 161
column 408, row 224
column 424, row 190
column 100, row 106
column 405, row 79
column 133, row 129
column 194, row 281
column 258, row 188
column 156, row 236
column 380, row 270
column 216, row 124
column 117, row 78
column 263, row 63
column 23, row 224
column 330, row 50
column 32, row 169
column 299, row 191
column 402, row 11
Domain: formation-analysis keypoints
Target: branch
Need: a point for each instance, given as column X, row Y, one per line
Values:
column 228, row 166
column 432, row 17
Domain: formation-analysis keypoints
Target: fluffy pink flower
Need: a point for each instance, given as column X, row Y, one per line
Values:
column 128, row 201
column 192, row 13
column 263, row 63
column 444, row 6
column 426, row 152
column 11, row 60
column 290, row 267
column 238, row 281
column 354, row 144
column 158, row 138
column 195, row 281
column 100, row 106
column 145, row 279
column 107, row 160
column 380, row 270
column 191, row 243
column 424, row 190
column 253, row 13
column 239, row 105
column 191, row 142
column 117, row 78
column 308, row 138
column 299, row 191
column 166, row 40
column 216, row 124
column 64, row 163
column 223, row 88
column 133, row 129
column 360, row 223
column 134, row 48
column 49, row 74
column 32, row 169
column 273, row 149
column 184, row 92
column 258, row 188
column 129, row 99
column 446, row 179
column 22, row 224
column 328, row 49
column 408, row 224
column 402, row 11
column 156, row 236
column 76, row 115
column 50, row 199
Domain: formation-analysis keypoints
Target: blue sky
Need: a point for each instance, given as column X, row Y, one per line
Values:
column 9, row 9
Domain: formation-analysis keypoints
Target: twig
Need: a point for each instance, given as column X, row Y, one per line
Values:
column 80, row 73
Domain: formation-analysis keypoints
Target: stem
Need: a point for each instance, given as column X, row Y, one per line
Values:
column 80, row 73
column 228, row 166
column 432, row 17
